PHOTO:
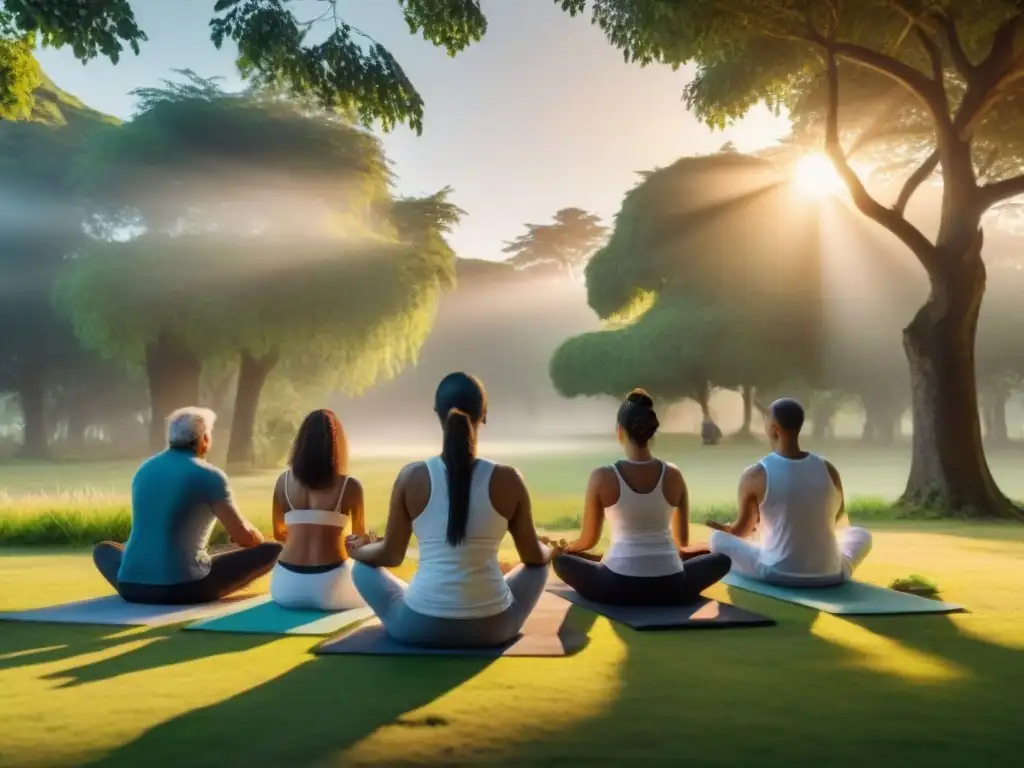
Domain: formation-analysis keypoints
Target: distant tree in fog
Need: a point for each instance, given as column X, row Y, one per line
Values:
column 709, row 280
column 270, row 245
column 41, row 225
column 566, row 244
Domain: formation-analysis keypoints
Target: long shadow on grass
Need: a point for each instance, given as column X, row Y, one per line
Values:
column 787, row 695
column 29, row 645
column 307, row 716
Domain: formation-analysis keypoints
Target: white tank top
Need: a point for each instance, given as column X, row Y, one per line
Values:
column 642, row 543
column 463, row 582
column 331, row 517
column 798, row 517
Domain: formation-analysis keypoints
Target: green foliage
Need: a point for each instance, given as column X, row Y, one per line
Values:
column 916, row 585
column 322, row 58
column 566, row 244
column 729, row 276
column 196, row 156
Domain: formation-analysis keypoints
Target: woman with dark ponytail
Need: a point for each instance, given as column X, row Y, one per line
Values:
column 646, row 504
column 460, row 507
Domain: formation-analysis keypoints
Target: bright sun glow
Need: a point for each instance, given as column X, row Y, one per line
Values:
column 816, row 176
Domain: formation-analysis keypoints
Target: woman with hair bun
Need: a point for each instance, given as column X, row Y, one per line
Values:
column 646, row 504
column 460, row 507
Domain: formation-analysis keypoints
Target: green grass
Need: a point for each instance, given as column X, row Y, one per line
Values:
column 77, row 503
column 814, row 690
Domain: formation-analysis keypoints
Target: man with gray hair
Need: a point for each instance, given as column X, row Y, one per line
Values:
column 177, row 497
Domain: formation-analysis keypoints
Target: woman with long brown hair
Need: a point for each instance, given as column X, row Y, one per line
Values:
column 316, row 504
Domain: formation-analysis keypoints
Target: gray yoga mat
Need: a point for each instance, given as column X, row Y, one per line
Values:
column 703, row 614
column 852, row 598
column 543, row 635
column 261, row 616
column 114, row 611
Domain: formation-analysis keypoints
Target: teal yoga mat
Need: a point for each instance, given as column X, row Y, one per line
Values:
column 261, row 616
column 853, row 598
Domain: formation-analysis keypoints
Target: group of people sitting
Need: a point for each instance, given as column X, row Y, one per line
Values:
column 460, row 508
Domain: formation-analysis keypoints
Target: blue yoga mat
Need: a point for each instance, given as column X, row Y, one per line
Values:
column 261, row 616
column 853, row 598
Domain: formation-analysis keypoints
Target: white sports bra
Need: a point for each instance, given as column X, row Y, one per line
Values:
column 331, row 517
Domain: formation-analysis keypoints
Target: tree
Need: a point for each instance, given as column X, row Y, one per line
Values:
column 42, row 224
column 565, row 245
column 957, row 70
column 698, row 289
column 269, row 239
column 321, row 58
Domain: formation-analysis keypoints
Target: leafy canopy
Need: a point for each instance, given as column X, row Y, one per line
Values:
column 319, row 56
column 959, row 65
column 708, row 277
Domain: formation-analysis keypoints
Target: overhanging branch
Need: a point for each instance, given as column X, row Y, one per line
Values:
column 1000, row 191
column 892, row 220
column 956, row 49
column 1003, row 65
column 917, row 178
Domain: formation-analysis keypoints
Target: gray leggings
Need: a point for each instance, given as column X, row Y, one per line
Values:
column 385, row 594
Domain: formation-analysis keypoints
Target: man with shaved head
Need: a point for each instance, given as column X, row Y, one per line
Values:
column 795, row 499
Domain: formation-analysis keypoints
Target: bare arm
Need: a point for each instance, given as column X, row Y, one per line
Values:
column 277, row 511
column 390, row 551
column 751, row 491
column 241, row 531
column 838, row 482
column 357, row 506
column 593, row 516
column 520, row 524
column 681, row 517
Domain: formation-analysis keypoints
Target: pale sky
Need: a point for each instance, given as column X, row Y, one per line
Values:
column 542, row 114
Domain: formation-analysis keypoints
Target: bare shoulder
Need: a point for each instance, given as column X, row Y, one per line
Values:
column 353, row 488
column 673, row 485
column 506, row 478
column 833, row 473
column 754, row 475
column 603, row 476
column 413, row 475
column 508, row 489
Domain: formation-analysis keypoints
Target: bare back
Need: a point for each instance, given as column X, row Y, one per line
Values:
column 311, row 544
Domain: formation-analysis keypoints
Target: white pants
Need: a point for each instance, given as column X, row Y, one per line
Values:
column 328, row 591
column 854, row 546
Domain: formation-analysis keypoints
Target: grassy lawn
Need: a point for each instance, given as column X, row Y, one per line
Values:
column 71, row 494
column 814, row 690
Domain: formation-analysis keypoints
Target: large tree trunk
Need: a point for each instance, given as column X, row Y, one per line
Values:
column 32, row 397
column 173, row 372
column 252, row 375
column 948, row 468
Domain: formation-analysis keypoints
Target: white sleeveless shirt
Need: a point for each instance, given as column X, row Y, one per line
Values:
column 798, row 517
column 642, row 543
column 463, row 582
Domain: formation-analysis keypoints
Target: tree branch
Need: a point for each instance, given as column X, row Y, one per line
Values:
column 956, row 49
column 890, row 219
column 1000, row 191
column 1002, row 66
column 917, row 178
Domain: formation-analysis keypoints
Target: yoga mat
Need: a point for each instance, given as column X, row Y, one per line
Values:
column 542, row 635
column 704, row 614
column 853, row 598
column 261, row 616
column 112, row 610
